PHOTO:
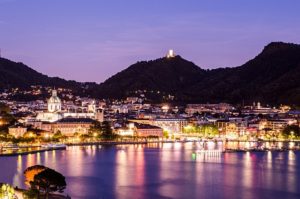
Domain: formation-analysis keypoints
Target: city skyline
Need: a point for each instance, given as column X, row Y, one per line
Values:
column 93, row 41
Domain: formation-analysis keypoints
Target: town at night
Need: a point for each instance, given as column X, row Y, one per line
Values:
column 172, row 99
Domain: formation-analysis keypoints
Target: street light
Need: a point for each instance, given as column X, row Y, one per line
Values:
column 292, row 134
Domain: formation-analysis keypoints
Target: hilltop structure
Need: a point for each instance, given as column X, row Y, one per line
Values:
column 170, row 54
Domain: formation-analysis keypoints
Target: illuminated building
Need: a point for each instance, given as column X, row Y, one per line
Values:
column 258, row 109
column 171, row 54
column 17, row 131
column 54, row 109
column 171, row 125
column 55, row 113
column 140, row 130
column 274, row 126
column 144, row 130
column 212, row 108
column 67, row 126
column 125, row 132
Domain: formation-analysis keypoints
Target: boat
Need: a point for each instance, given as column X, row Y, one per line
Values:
column 11, row 146
column 211, row 152
column 54, row 146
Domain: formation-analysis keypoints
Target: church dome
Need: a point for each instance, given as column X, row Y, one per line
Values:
column 54, row 99
column 54, row 103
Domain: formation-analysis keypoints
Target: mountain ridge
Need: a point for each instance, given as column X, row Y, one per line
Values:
column 270, row 77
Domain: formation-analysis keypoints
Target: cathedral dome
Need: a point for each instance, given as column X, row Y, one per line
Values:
column 54, row 99
column 54, row 103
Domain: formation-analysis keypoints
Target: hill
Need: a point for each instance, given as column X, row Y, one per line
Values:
column 13, row 74
column 271, row 77
column 162, row 76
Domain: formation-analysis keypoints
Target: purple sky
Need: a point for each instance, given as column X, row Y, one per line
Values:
column 90, row 40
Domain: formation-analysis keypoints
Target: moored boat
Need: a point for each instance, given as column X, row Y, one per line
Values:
column 54, row 146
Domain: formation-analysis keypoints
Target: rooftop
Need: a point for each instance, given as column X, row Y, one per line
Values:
column 75, row 120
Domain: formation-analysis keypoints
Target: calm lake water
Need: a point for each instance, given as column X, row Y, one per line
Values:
column 169, row 170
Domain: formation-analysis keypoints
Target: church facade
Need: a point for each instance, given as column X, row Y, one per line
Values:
column 54, row 111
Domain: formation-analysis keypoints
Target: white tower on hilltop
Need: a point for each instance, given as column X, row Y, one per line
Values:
column 170, row 54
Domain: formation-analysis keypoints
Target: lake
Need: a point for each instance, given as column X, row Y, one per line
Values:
column 169, row 170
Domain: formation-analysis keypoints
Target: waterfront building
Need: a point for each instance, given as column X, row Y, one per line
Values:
column 70, row 126
column 67, row 126
column 171, row 125
column 144, row 130
column 231, row 129
column 126, row 131
column 17, row 131
column 140, row 130
column 273, row 126
column 123, row 131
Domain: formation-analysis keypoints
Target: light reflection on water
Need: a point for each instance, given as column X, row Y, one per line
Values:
column 169, row 170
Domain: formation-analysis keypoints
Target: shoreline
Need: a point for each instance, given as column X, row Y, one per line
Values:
column 114, row 143
column 29, row 152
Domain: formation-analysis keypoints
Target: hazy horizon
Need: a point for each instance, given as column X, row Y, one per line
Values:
column 90, row 42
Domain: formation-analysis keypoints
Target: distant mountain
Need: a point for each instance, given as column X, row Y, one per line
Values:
column 271, row 77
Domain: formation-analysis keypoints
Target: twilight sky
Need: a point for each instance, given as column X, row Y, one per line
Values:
column 90, row 40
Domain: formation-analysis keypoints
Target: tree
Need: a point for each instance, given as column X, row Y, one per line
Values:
column 209, row 130
column 190, row 129
column 49, row 181
column 267, row 133
column 107, row 131
column 85, row 137
column 4, row 108
column 30, row 172
column 291, row 131
column 7, row 191
column 95, row 128
column 58, row 136
column 31, row 194
column 166, row 134
column 6, row 120
column 30, row 134
column 76, row 134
